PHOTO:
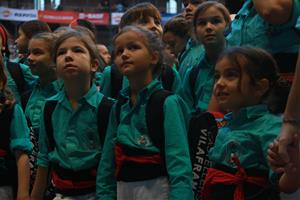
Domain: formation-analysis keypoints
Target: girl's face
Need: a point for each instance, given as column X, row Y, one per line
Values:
column 174, row 43
column 73, row 59
column 39, row 58
column 21, row 41
column 132, row 55
column 233, row 89
column 153, row 25
column 210, row 26
column 190, row 7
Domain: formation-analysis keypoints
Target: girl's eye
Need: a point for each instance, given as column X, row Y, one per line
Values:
column 216, row 77
column 133, row 46
column 216, row 21
column 60, row 52
column 118, row 52
column 157, row 22
column 78, row 50
column 232, row 73
column 201, row 23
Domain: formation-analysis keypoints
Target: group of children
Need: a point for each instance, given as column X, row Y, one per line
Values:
column 128, row 137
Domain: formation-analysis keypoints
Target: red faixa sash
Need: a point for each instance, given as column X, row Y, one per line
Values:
column 215, row 176
column 146, row 159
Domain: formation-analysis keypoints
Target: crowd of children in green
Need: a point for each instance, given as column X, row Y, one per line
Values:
column 73, row 130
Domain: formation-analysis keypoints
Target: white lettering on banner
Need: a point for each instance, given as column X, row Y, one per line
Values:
column 17, row 14
column 201, row 162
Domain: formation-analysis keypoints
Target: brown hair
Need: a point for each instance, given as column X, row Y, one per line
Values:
column 179, row 26
column 140, row 14
column 30, row 28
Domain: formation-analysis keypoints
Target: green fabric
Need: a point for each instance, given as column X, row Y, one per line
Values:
column 132, row 131
column 19, row 131
column 190, row 57
column 249, row 28
column 200, row 95
column 28, row 77
column 247, row 135
column 37, row 100
column 75, row 133
column 19, row 134
column 105, row 84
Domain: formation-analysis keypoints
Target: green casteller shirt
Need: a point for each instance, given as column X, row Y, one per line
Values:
column 19, row 134
column 37, row 100
column 132, row 131
column 28, row 77
column 75, row 133
column 105, row 84
column 247, row 135
column 190, row 57
column 199, row 96
column 249, row 28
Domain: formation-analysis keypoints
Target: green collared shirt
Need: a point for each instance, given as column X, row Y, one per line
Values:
column 190, row 57
column 249, row 28
column 105, row 84
column 37, row 100
column 132, row 131
column 75, row 133
column 247, row 135
column 199, row 96
column 28, row 77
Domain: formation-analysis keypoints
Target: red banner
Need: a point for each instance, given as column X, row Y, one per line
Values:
column 96, row 18
column 60, row 17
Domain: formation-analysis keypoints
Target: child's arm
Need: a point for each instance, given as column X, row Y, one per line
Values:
column 40, row 184
column 176, row 149
column 23, row 175
column 274, row 11
column 292, row 112
column 106, row 181
column 289, row 181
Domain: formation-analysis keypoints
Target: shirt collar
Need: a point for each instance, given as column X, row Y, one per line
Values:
column 145, row 93
column 249, row 112
column 90, row 97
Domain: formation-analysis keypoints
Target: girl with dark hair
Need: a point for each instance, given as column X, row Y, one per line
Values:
column 245, row 79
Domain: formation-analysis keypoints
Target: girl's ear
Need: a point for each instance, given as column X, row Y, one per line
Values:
column 155, row 57
column 262, row 86
column 94, row 65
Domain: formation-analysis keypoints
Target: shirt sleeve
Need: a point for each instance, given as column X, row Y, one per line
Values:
column 20, row 139
column 106, row 181
column 176, row 149
column 42, row 158
column 267, row 136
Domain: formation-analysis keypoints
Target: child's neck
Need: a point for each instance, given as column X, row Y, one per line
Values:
column 75, row 90
column 137, row 84
column 213, row 53
column 47, row 78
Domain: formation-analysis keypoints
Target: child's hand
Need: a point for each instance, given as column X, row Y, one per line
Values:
column 293, row 150
column 286, row 139
column 274, row 159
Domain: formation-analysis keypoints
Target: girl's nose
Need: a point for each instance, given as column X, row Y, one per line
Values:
column 125, row 55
